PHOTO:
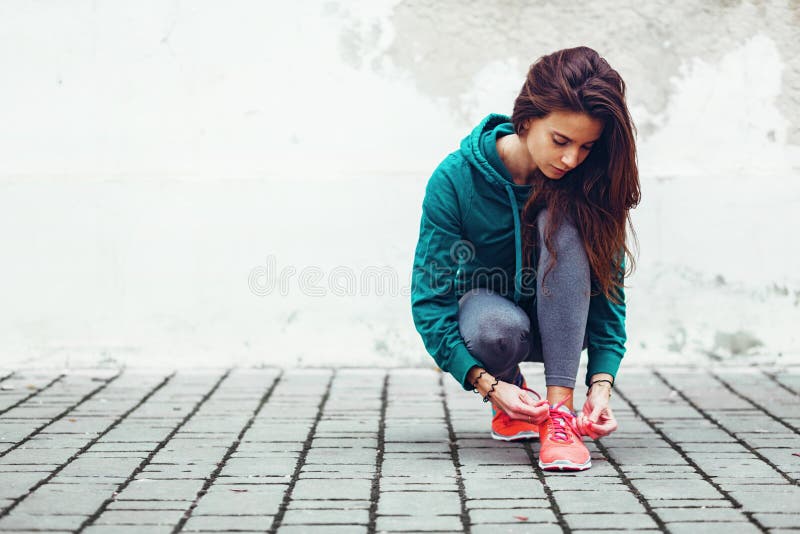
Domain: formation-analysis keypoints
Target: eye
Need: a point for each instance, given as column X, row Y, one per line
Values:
column 559, row 143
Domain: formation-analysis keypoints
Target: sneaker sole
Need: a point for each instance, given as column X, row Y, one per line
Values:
column 565, row 465
column 519, row 436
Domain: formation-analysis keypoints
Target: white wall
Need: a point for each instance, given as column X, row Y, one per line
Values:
column 157, row 155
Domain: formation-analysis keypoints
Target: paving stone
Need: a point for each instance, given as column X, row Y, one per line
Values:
column 161, row 489
column 337, row 504
column 139, row 517
column 326, row 517
column 20, row 522
column 512, row 516
column 523, row 527
column 323, row 529
column 789, row 519
column 418, row 523
column 671, row 515
column 119, row 504
column 693, row 503
column 612, row 520
column 343, row 489
column 341, row 456
column 211, row 523
column 503, row 504
column 512, row 488
column 712, row 528
column 654, row 490
column 597, row 501
column 240, row 502
column 419, row 503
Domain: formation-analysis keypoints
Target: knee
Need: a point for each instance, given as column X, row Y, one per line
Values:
column 501, row 333
column 566, row 237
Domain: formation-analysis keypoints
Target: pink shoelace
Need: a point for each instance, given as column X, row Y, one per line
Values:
column 561, row 421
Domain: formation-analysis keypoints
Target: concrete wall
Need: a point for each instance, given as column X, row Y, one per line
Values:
column 160, row 159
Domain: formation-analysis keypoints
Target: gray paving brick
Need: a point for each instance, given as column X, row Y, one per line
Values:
column 512, row 516
column 326, row 517
column 654, row 490
column 419, row 524
column 248, row 502
column 343, row 489
column 597, row 501
column 788, row 519
column 504, row 504
column 671, row 515
column 419, row 503
column 611, row 520
column 322, row 529
column 500, row 489
column 161, row 489
column 338, row 504
column 211, row 523
column 21, row 522
column 712, row 528
column 523, row 527
column 139, row 517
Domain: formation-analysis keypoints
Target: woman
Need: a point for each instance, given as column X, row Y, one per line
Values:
column 521, row 254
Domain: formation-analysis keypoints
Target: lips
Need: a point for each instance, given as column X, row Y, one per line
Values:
column 562, row 171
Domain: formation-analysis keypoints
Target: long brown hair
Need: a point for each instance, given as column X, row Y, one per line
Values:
column 598, row 194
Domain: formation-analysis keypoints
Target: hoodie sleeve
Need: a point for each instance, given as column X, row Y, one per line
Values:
column 434, row 304
column 606, row 328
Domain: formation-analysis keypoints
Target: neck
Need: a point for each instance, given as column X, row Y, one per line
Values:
column 516, row 158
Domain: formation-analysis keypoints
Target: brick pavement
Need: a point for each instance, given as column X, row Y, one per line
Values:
column 401, row 450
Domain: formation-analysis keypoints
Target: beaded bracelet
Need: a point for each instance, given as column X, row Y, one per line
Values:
column 475, row 382
column 489, row 393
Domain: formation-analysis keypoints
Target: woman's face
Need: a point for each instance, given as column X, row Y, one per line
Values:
column 560, row 141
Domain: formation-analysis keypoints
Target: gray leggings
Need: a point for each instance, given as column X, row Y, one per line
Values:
column 498, row 332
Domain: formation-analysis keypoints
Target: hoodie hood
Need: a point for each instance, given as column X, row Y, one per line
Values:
column 480, row 149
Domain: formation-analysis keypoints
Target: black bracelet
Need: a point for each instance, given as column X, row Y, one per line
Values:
column 611, row 383
column 488, row 393
column 600, row 380
column 475, row 382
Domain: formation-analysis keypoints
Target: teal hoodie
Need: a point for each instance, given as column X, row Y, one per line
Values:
column 470, row 236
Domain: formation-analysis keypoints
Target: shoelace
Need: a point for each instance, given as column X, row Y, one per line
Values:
column 561, row 421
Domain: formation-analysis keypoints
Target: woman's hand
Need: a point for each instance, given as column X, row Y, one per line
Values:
column 597, row 419
column 517, row 404
column 513, row 400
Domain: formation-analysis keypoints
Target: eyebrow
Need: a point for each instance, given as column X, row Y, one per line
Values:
column 568, row 139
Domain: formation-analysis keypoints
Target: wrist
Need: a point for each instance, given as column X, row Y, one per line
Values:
column 601, row 384
column 481, row 380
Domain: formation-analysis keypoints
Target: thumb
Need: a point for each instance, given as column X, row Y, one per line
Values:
column 595, row 414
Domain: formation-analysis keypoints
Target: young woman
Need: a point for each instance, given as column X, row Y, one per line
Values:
column 521, row 254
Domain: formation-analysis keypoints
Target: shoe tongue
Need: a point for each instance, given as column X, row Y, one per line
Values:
column 564, row 409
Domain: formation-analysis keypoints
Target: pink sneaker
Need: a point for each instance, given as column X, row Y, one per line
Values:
column 504, row 428
column 562, row 447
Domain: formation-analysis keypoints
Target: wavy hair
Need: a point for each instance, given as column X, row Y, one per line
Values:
column 598, row 194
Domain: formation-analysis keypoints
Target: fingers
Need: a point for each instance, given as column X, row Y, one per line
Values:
column 603, row 427
column 532, row 413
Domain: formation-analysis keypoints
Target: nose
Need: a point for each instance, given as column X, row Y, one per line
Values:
column 570, row 159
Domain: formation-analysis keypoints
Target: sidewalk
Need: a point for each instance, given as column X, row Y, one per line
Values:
column 405, row 450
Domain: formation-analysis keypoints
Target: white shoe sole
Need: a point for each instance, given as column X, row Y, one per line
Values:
column 519, row 436
column 565, row 465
